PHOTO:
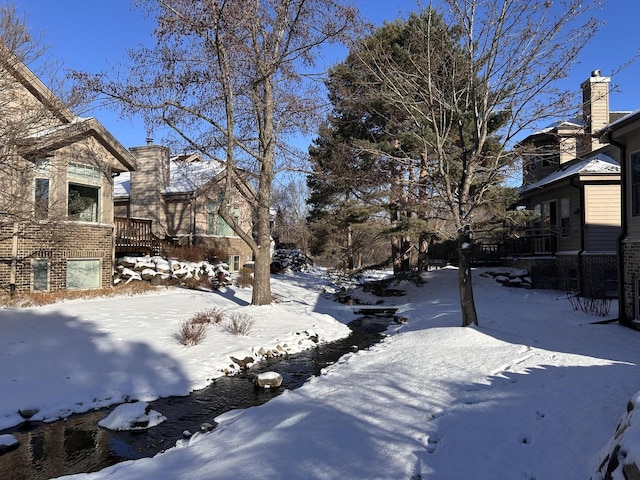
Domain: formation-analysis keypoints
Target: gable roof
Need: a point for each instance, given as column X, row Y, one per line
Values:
column 51, row 139
column 71, row 128
column 597, row 163
column 186, row 175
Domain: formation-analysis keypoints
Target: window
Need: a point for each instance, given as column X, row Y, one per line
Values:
column 216, row 224
column 40, row 270
column 43, row 166
column 83, row 273
column 87, row 173
column 635, row 183
column 41, row 202
column 565, row 214
column 83, row 203
column 549, row 215
column 234, row 262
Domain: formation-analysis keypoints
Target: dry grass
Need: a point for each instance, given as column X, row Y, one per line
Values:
column 238, row 324
column 37, row 299
column 191, row 333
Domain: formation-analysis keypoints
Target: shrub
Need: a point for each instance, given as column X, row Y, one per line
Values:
column 238, row 324
column 598, row 306
column 191, row 333
column 196, row 253
column 200, row 283
column 245, row 278
column 211, row 315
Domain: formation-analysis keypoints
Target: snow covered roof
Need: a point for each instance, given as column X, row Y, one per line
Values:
column 186, row 174
column 574, row 122
column 52, row 138
column 623, row 120
column 596, row 163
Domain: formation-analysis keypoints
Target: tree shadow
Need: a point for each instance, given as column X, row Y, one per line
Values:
column 59, row 364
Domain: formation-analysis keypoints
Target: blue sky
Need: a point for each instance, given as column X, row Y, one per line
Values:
column 90, row 35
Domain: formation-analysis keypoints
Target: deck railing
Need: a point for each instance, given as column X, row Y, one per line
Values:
column 133, row 235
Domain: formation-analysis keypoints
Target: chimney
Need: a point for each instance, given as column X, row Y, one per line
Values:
column 148, row 182
column 595, row 107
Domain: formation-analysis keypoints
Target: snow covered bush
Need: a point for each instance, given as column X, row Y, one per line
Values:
column 290, row 260
column 238, row 324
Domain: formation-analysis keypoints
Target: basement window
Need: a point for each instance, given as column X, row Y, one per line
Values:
column 40, row 275
column 83, row 273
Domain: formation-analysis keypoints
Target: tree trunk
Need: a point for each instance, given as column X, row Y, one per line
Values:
column 467, row 303
column 262, row 270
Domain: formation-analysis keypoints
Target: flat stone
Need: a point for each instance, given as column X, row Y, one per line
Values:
column 268, row 380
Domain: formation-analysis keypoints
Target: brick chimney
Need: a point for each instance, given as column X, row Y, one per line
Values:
column 595, row 107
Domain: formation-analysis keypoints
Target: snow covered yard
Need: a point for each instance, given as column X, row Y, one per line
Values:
column 535, row 392
column 83, row 354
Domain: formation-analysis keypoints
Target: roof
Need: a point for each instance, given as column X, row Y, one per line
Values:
column 596, row 163
column 71, row 127
column 186, row 174
column 619, row 123
column 68, row 133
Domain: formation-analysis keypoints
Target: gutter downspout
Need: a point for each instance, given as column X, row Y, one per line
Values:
column 14, row 260
column 582, row 231
column 623, row 231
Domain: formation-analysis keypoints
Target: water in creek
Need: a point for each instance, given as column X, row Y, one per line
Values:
column 78, row 445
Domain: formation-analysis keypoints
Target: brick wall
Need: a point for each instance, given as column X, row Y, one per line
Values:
column 594, row 275
column 631, row 261
column 56, row 242
column 586, row 275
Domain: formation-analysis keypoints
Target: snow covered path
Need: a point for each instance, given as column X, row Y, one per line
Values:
column 533, row 393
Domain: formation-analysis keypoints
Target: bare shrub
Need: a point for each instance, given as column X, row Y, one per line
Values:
column 196, row 253
column 238, row 324
column 245, row 278
column 598, row 306
column 200, row 283
column 191, row 333
column 211, row 315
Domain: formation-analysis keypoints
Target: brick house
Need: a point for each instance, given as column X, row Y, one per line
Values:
column 56, row 221
column 572, row 183
column 181, row 196
column 625, row 135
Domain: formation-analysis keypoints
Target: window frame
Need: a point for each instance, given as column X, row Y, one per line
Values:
column 41, row 203
column 97, row 262
column 95, row 214
column 45, row 264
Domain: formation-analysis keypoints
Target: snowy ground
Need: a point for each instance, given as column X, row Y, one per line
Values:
column 534, row 392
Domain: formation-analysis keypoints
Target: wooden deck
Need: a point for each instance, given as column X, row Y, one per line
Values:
column 134, row 235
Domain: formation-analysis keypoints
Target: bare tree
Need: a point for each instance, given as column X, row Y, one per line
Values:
column 495, row 76
column 227, row 78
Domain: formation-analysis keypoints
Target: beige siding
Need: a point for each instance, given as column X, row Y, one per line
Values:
column 602, row 214
column 602, row 204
